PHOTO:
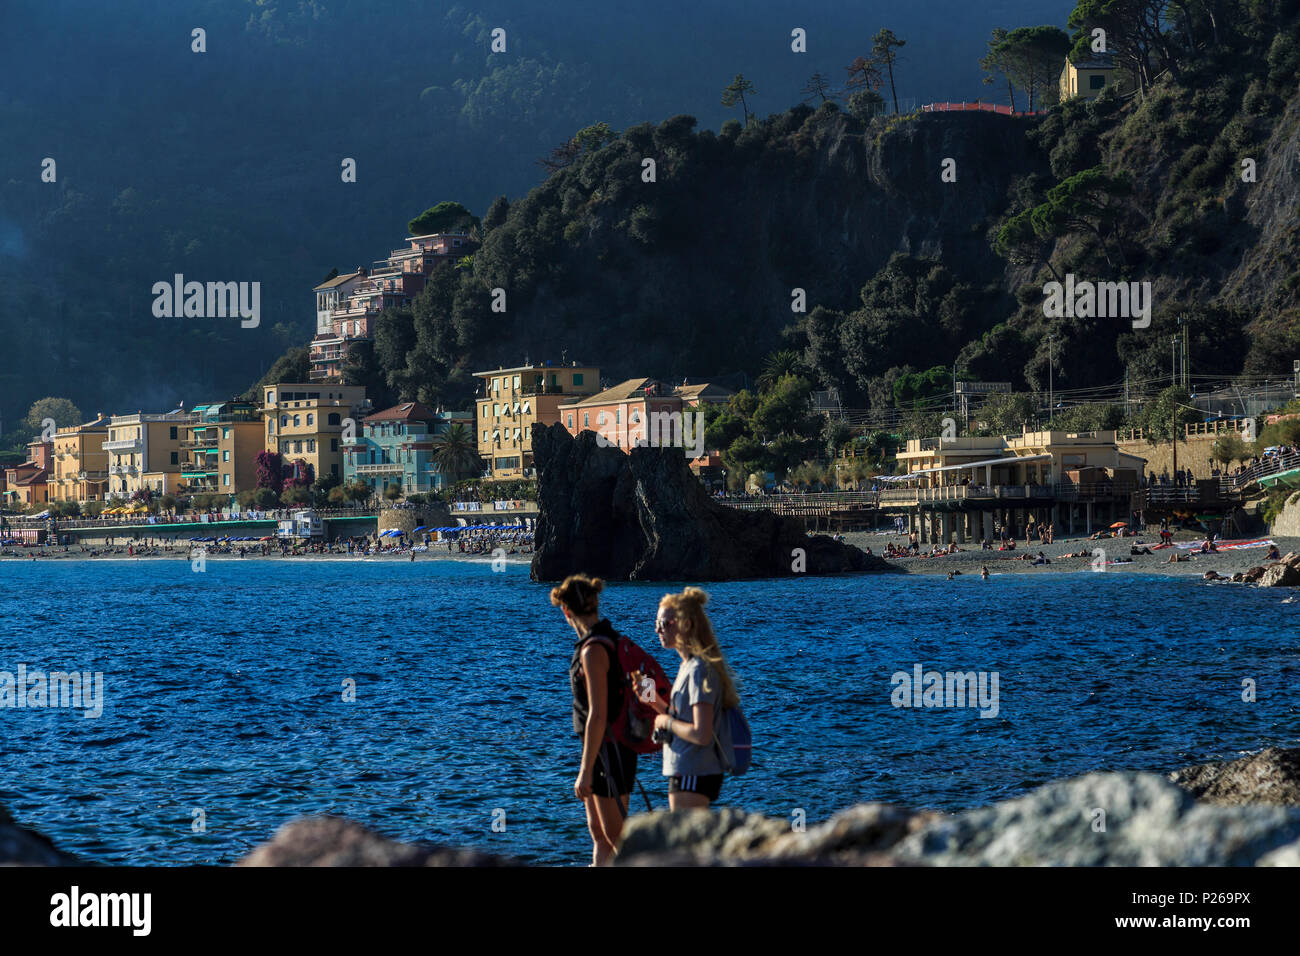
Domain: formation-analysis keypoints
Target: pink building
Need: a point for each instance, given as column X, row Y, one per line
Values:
column 347, row 306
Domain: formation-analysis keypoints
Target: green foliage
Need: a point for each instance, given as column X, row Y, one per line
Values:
column 444, row 217
column 917, row 386
column 1088, row 418
column 736, row 92
column 1006, row 413
column 1165, row 417
column 62, row 410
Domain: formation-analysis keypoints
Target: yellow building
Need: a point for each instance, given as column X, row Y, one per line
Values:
column 1088, row 78
column 80, row 464
column 220, row 448
column 513, row 399
column 305, row 422
column 144, row 451
column 959, row 488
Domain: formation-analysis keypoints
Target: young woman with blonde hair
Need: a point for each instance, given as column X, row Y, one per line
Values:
column 608, row 769
column 704, row 685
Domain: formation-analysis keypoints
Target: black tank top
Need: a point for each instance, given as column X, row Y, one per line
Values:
column 578, row 681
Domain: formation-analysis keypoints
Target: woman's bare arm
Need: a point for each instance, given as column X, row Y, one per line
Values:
column 595, row 669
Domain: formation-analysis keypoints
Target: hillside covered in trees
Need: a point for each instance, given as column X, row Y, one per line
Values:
column 700, row 272
column 225, row 165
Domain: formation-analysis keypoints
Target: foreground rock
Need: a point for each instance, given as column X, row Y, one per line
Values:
column 1102, row 819
column 1148, row 822
column 1271, row 777
column 22, row 847
column 644, row 516
column 336, row 841
column 859, row 836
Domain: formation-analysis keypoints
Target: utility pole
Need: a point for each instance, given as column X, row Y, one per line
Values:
column 1051, row 398
column 1173, row 431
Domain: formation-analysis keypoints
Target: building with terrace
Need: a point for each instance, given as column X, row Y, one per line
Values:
column 514, row 399
column 144, row 451
column 642, row 410
column 964, row 488
column 308, row 423
column 220, row 448
column 79, row 469
column 396, row 447
column 27, row 484
column 347, row 306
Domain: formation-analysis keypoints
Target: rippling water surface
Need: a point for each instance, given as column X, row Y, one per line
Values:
column 224, row 693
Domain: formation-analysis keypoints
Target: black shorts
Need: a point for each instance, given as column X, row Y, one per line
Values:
column 708, row 786
column 620, row 777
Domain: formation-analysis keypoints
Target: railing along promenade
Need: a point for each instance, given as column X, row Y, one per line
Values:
column 830, row 501
column 1271, row 465
column 146, row 520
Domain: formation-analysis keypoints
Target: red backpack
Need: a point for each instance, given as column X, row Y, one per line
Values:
column 631, row 720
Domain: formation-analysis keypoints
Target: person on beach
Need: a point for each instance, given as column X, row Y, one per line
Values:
column 607, row 771
column 984, row 573
column 703, row 686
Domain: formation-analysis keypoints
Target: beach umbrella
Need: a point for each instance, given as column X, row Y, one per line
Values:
column 1120, row 524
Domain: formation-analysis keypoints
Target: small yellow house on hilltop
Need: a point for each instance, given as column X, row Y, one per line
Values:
column 1087, row 78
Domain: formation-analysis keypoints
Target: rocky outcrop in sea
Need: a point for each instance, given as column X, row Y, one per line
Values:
column 641, row 515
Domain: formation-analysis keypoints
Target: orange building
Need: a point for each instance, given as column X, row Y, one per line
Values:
column 645, row 410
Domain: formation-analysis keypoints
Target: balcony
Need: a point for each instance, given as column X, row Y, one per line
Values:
column 541, row 389
column 383, row 468
column 123, row 470
column 195, row 468
column 92, row 475
column 125, row 445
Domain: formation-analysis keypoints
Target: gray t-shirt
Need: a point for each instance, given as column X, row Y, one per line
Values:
column 696, row 683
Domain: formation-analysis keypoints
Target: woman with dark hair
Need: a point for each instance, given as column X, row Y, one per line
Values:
column 607, row 772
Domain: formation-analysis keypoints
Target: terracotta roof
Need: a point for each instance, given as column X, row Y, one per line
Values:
column 406, row 412
column 622, row 392
column 337, row 281
column 695, row 391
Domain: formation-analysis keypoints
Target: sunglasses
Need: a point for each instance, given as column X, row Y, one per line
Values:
column 663, row 622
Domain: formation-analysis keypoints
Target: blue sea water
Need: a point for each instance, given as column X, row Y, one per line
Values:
column 224, row 693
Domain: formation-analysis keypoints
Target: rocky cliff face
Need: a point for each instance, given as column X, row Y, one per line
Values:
column 643, row 516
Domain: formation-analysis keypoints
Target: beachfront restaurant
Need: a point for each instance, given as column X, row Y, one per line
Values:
column 960, row 489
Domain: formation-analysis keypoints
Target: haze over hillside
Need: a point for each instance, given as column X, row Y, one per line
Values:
column 225, row 165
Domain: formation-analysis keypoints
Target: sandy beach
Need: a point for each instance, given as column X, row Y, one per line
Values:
column 969, row 560
column 972, row 558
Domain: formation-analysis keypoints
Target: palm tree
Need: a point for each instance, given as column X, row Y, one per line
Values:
column 457, row 453
column 777, row 365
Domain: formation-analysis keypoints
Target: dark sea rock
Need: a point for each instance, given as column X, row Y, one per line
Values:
column 336, row 841
column 643, row 516
column 22, row 847
column 1271, row 776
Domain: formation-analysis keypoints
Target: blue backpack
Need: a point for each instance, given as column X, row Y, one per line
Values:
column 733, row 741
